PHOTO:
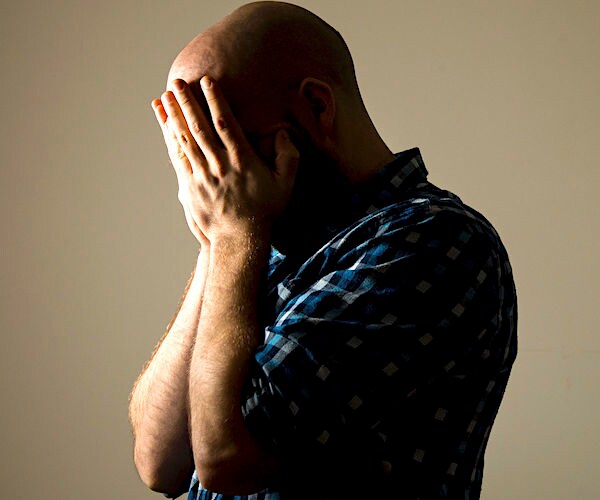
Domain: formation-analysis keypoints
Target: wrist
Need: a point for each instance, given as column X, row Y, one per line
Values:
column 239, row 259
column 203, row 252
column 202, row 263
column 245, row 239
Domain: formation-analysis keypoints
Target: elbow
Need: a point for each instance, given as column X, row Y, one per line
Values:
column 234, row 475
column 209, row 470
column 163, row 477
column 222, row 479
column 209, row 478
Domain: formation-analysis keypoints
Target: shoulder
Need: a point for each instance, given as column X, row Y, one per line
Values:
column 428, row 221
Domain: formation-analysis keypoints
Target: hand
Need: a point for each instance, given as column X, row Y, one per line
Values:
column 180, row 163
column 228, row 189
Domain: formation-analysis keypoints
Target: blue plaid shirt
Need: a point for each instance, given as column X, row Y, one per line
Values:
column 387, row 350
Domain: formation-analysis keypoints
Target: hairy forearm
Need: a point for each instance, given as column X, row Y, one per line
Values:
column 228, row 191
column 159, row 401
column 227, row 458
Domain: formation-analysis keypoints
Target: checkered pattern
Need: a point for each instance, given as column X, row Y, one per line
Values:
column 387, row 351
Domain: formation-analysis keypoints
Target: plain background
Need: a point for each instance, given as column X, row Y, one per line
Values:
column 503, row 100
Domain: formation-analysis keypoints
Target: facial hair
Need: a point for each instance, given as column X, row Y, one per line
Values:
column 318, row 200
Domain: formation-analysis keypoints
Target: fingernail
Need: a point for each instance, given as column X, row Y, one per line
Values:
column 206, row 82
column 179, row 84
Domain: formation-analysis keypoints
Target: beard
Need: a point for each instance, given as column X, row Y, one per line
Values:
column 319, row 198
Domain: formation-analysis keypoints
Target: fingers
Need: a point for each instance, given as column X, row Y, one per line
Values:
column 176, row 154
column 177, row 124
column 194, row 118
column 159, row 112
column 177, row 161
column 225, row 124
column 188, row 133
column 287, row 157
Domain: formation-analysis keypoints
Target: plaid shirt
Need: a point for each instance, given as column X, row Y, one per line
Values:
column 387, row 351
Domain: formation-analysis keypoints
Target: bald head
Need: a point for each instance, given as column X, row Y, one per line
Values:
column 264, row 49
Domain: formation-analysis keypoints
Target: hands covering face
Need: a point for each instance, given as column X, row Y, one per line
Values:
column 224, row 187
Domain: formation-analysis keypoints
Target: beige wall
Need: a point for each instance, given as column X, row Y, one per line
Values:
column 503, row 99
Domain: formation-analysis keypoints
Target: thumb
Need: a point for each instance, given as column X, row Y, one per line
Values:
column 287, row 156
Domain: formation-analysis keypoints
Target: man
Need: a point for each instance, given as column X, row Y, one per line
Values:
column 349, row 328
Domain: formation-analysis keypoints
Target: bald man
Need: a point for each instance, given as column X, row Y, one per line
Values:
column 349, row 328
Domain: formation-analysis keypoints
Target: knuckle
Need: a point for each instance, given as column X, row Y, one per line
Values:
column 222, row 124
column 196, row 128
column 179, row 154
column 184, row 99
column 203, row 134
column 184, row 138
column 236, row 149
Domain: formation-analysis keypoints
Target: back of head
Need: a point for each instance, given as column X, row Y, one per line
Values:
column 263, row 48
column 290, row 43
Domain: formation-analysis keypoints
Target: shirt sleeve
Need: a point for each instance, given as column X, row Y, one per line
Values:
column 396, row 304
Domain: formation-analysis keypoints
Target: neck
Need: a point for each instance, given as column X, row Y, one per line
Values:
column 363, row 152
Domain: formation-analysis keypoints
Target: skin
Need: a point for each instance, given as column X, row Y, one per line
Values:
column 261, row 132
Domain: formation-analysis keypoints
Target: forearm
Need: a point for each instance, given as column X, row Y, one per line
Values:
column 229, row 191
column 227, row 458
column 159, row 400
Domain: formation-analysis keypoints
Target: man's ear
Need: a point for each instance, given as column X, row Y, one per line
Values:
column 314, row 107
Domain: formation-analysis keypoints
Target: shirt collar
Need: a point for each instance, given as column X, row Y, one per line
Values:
column 403, row 172
column 386, row 187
